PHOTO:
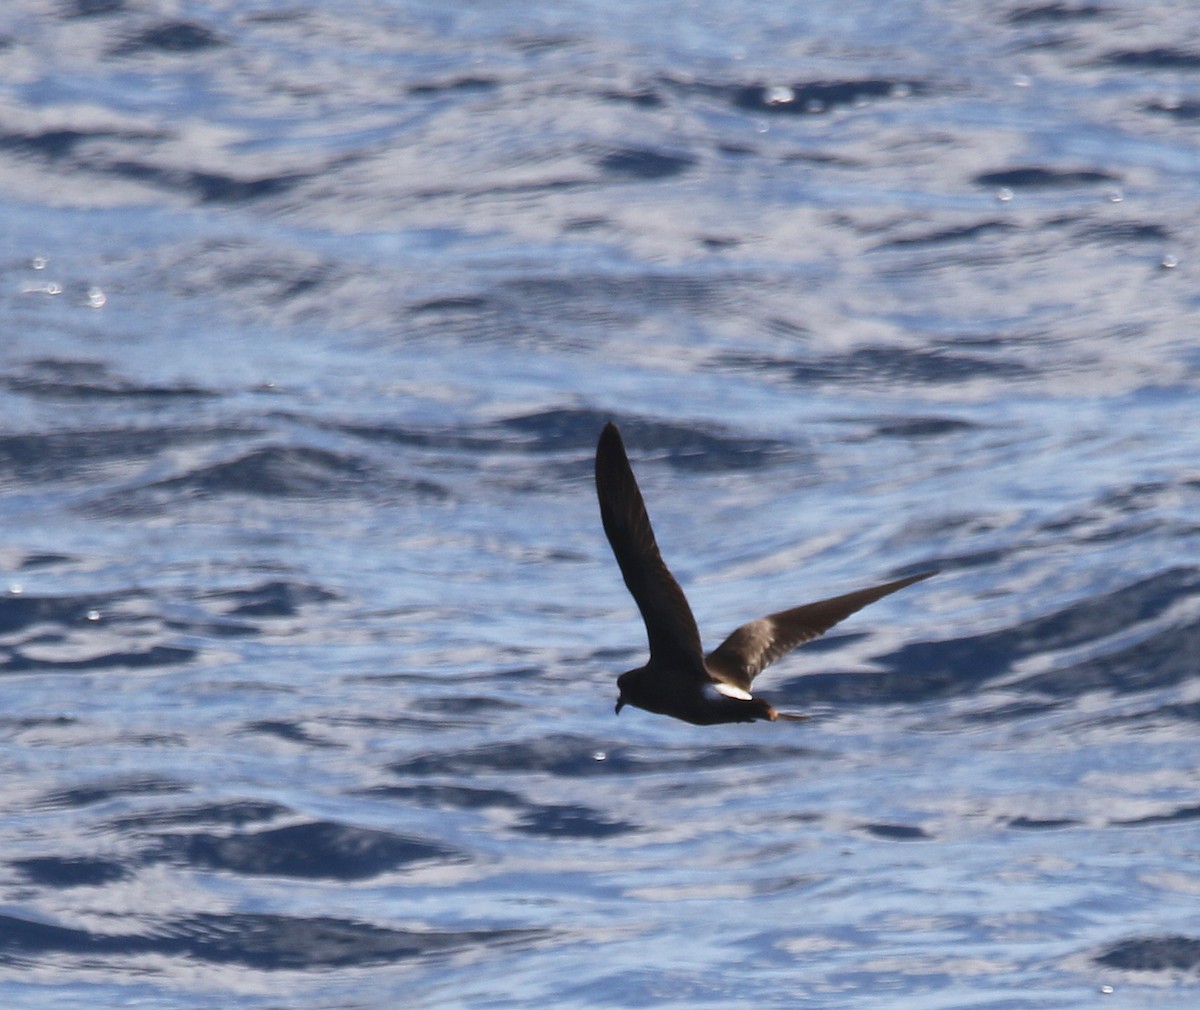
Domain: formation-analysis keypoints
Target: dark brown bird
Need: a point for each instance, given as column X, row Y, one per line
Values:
column 679, row 680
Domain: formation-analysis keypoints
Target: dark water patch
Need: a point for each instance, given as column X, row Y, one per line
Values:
column 319, row 850
column 281, row 471
column 469, row 704
column 272, row 599
column 206, row 187
column 71, row 145
column 570, row 821
column 574, row 431
column 213, row 629
column 451, row 797
column 261, row 942
column 283, row 16
column 256, row 274
column 24, row 723
column 449, row 303
column 1153, row 953
column 1108, row 518
column 1037, row 177
column 53, row 379
column 58, row 143
column 559, row 430
column 1055, row 13
column 642, row 98
column 271, row 942
column 292, row 732
column 1041, row 823
column 921, row 677
column 944, row 236
column 63, row 455
column 455, row 85
column 535, row 311
column 22, row 611
column 575, row 224
column 812, row 97
column 1153, row 58
column 1169, row 656
column 66, row 872
column 25, row 940
column 1184, row 110
column 1172, row 817
column 923, row 670
column 1184, row 711
column 682, row 446
column 75, row 797
column 471, row 440
column 37, row 561
column 1010, row 711
column 16, row 661
column 1125, row 231
column 600, row 301
column 879, row 364
column 983, row 656
column 922, row 427
column 542, row 42
column 639, row 163
column 232, row 813
column 170, row 37
column 90, row 8
column 896, row 832
column 430, row 711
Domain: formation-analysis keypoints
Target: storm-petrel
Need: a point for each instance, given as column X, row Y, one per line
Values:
column 679, row 680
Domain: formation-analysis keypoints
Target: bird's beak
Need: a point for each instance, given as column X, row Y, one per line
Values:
column 620, row 705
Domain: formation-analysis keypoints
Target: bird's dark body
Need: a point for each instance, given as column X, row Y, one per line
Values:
column 648, row 689
column 679, row 680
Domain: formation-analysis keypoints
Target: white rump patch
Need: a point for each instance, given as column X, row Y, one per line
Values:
column 716, row 690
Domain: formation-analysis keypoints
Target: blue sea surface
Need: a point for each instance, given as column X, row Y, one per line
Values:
column 312, row 315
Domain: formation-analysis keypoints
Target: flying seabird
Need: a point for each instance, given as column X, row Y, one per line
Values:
column 679, row 680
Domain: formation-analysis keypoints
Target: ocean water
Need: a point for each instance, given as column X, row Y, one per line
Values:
column 312, row 313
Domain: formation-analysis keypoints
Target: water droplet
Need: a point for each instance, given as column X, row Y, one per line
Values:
column 599, row 755
column 39, row 262
column 1170, row 262
column 93, row 615
column 1021, row 81
column 96, row 299
column 1115, row 195
column 1004, row 194
column 779, row 94
column 814, row 105
column 1106, row 990
column 16, row 589
column 902, row 90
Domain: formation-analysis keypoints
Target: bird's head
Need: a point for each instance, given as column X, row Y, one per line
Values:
column 626, row 689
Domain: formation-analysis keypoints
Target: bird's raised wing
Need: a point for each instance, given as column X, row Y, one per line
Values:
column 755, row 646
column 670, row 626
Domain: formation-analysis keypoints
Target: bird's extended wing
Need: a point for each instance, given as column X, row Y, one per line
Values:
column 755, row 646
column 670, row 626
